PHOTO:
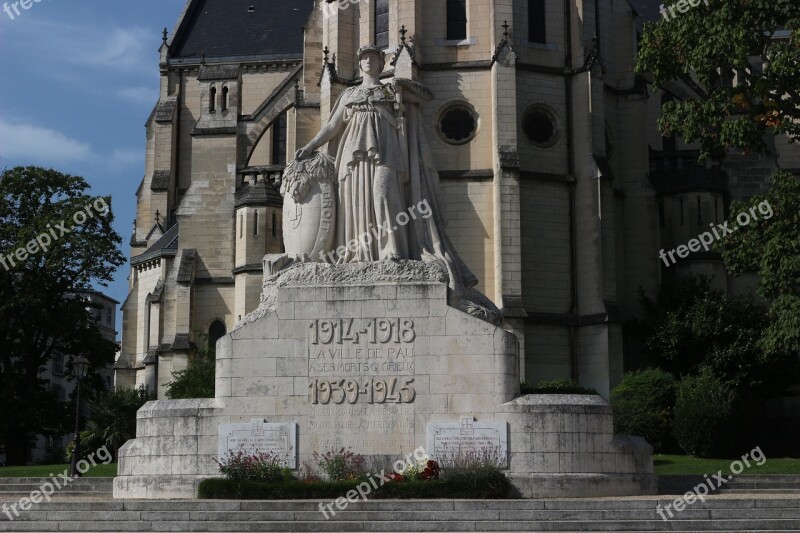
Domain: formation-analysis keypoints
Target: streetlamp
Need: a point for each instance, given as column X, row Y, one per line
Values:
column 80, row 367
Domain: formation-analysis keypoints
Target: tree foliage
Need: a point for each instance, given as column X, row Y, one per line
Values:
column 771, row 248
column 643, row 404
column 755, row 44
column 707, row 416
column 723, row 336
column 197, row 381
column 40, row 316
column 113, row 420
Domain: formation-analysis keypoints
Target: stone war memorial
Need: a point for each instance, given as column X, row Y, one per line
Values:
column 372, row 336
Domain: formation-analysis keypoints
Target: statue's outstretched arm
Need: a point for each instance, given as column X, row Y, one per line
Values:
column 326, row 134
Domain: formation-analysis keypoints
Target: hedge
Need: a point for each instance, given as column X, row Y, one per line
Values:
column 559, row 386
column 643, row 404
column 453, row 485
column 707, row 417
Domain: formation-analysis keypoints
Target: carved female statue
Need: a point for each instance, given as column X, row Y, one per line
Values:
column 384, row 169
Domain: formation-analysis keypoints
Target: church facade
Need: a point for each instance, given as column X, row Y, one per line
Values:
column 558, row 189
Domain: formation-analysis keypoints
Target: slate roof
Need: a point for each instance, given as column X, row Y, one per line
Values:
column 218, row 72
column 227, row 28
column 186, row 268
column 262, row 193
column 160, row 181
column 167, row 241
column 166, row 245
column 181, row 342
column 165, row 109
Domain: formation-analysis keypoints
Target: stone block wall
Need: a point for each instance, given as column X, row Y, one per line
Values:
column 174, row 450
column 564, row 446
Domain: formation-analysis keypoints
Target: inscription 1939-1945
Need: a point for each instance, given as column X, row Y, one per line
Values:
column 370, row 390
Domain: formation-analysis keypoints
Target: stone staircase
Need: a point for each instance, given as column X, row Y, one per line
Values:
column 725, row 513
column 754, row 484
column 12, row 488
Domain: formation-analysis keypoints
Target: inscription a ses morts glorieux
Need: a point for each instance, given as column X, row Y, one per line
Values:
column 361, row 378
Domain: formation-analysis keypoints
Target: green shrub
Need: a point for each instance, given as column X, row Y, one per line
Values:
column 558, row 386
column 643, row 406
column 706, row 422
column 479, row 483
column 112, row 422
column 197, row 381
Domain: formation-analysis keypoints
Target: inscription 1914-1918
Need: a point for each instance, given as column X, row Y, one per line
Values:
column 374, row 331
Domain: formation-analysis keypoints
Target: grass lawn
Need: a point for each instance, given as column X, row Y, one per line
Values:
column 100, row 470
column 686, row 465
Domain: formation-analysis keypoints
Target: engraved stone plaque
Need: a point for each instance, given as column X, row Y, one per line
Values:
column 447, row 440
column 258, row 436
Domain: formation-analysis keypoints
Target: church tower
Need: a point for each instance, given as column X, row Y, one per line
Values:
column 537, row 129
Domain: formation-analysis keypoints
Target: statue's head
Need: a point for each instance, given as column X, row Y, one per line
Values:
column 371, row 59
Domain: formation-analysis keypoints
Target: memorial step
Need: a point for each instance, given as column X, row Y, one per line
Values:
column 772, row 484
column 731, row 514
column 23, row 486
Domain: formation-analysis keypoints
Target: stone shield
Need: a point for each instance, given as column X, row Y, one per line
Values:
column 309, row 207
column 309, row 224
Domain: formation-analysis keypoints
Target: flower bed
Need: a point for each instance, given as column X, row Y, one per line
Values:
column 491, row 484
column 263, row 477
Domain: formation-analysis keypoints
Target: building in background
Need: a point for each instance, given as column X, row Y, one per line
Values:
column 559, row 190
column 104, row 311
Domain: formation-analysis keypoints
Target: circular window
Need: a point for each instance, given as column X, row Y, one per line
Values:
column 458, row 124
column 539, row 126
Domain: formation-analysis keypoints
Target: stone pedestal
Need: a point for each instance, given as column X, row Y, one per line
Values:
column 563, row 446
column 371, row 357
column 174, row 450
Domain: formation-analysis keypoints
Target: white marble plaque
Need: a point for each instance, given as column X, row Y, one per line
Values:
column 258, row 436
column 447, row 440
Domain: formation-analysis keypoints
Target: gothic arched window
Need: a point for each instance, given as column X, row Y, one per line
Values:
column 215, row 332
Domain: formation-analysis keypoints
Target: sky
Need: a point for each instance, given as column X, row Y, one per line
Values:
column 78, row 80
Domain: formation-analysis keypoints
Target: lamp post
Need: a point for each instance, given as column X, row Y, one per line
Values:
column 80, row 367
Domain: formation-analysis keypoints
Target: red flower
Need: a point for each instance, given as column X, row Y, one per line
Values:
column 431, row 471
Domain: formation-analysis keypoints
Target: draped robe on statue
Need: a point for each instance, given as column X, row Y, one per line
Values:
column 384, row 168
